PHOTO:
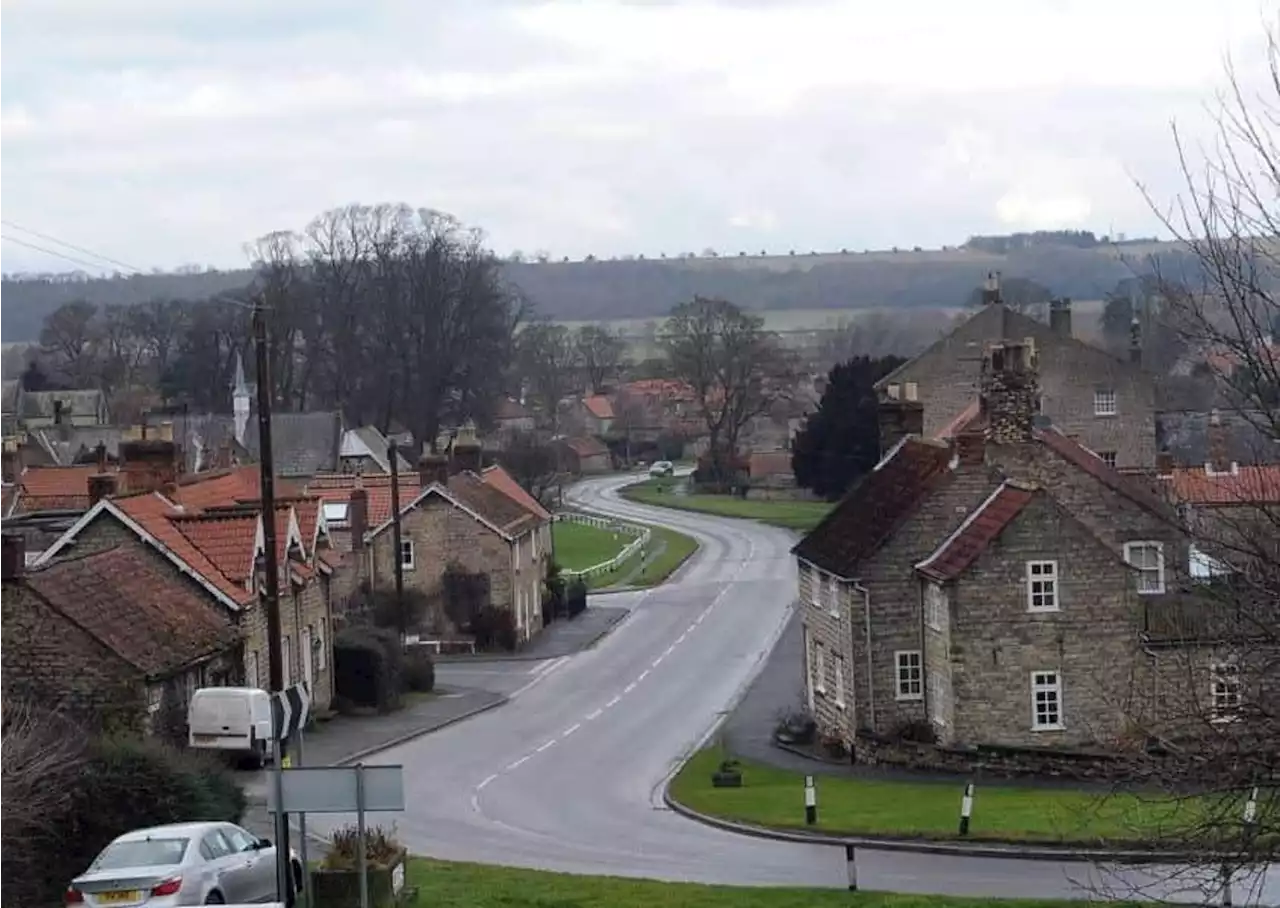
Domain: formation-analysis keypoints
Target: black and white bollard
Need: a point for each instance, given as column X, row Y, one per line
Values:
column 810, row 801
column 1251, row 811
column 966, row 809
column 851, row 863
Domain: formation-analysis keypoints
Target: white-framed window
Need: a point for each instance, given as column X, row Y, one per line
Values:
column 832, row 596
column 909, row 665
column 1225, row 690
column 533, row 544
column 1046, row 701
column 1109, row 458
column 911, row 390
column 155, row 698
column 1147, row 559
column 839, row 666
column 935, row 606
column 894, row 391
column 819, row 669
column 406, row 554
column 1104, row 402
column 937, row 698
column 322, row 646
column 1204, row 568
column 1042, row 586
column 335, row 511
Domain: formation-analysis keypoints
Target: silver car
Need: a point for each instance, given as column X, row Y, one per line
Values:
column 181, row 864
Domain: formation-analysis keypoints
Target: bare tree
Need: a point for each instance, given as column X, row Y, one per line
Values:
column 600, row 351
column 70, row 334
column 735, row 369
column 548, row 358
column 532, row 464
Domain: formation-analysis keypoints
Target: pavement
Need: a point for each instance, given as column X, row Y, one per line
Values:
column 560, row 638
column 571, row 774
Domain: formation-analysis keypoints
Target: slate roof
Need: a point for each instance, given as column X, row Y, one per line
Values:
column 876, row 506
column 978, row 531
column 150, row 617
column 367, row 441
column 303, row 444
column 82, row 404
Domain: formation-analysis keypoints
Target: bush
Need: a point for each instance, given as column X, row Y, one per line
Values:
column 381, row 848
column 368, row 665
column 576, row 598
column 494, row 628
column 419, row 672
column 553, row 602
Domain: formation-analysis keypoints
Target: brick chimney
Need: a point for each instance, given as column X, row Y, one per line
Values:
column 1164, row 464
column 14, row 557
column 1010, row 391
column 149, row 465
column 1060, row 316
column 102, row 485
column 898, row 419
column 991, row 289
column 433, row 468
column 1135, row 341
column 1219, row 456
column 467, row 453
column 358, row 517
column 12, row 463
column 969, row 446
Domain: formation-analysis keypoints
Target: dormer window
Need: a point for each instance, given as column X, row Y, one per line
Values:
column 894, row 391
column 1233, row 469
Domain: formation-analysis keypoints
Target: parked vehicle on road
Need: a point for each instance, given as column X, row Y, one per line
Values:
column 662, row 468
column 181, row 864
column 236, row 720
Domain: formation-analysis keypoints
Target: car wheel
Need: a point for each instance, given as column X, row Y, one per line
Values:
column 215, row 898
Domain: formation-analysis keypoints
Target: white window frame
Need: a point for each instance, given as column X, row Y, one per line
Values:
column 911, row 391
column 322, row 660
column 1108, row 457
column 832, row 595
column 407, row 549
column 1142, row 579
column 533, row 544
column 935, row 606
column 908, row 687
column 936, row 684
column 1037, row 578
column 1226, row 691
column 155, row 698
column 1104, row 402
column 819, row 669
column 839, row 666
column 1038, row 685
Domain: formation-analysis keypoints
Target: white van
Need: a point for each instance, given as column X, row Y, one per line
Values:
column 232, row 719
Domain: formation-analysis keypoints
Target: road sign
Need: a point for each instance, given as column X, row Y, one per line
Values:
column 290, row 709
column 340, row 789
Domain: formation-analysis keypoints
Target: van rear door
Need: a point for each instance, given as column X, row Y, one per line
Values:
column 220, row 719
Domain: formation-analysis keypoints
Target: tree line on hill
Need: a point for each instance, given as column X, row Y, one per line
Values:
column 596, row 290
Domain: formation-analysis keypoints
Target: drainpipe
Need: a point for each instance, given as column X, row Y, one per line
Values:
column 871, row 686
column 924, row 653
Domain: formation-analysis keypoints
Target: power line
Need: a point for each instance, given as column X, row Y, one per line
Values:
column 55, row 253
column 53, row 239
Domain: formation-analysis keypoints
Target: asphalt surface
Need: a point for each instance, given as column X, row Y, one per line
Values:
column 569, row 774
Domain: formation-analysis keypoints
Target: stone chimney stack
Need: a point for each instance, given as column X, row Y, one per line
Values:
column 1010, row 391
column 1164, row 464
column 1135, row 341
column 1060, row 316
column 358, row 517
column 1219, row 455
column 102, row 485
column 12, row 464
column 898, row 419
column 991, row 289
column 433, row 468
column 149, row 465
column 467, row 453
column 14, row 557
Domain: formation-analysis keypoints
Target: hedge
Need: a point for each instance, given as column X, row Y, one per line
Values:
column 368, row 665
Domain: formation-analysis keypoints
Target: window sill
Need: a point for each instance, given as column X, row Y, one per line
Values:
column 1043, row 611
column 908, row 698
column 1224, row 720
column 820, row 691
column 1111, row 415
column 1040, row 728
column 834, row 613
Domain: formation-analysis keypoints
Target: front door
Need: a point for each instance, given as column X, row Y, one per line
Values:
column 306, row 655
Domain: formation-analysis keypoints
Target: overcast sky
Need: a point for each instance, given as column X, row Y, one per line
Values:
column 162, row 132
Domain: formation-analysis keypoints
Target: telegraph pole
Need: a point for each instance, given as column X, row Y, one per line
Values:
column 267, row 479
column 393, row 455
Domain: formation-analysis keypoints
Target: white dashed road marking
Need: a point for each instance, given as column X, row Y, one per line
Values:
column 542, row 670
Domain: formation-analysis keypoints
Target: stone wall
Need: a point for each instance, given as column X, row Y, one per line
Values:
column 826, row 629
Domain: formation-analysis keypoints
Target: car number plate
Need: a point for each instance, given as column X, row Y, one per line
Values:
column 119, row 896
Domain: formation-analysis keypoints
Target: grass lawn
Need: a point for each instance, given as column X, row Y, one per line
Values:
column 579, row 546
column 925, row 809
column 442, row 884
column 793, row 515
column 679, row 548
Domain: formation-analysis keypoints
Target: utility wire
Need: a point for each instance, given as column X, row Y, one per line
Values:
column 53, row 239
column 53, row 252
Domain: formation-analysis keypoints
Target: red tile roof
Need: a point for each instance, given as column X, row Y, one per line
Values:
column 336, row 487
column 1244, row 485
column 598, row 406
column 229, row 543
column 978, row 531
column 586, row 446
column 55, row 488
column 874, row 508
column 308, row 511
column 152, row 618
column 504, row 482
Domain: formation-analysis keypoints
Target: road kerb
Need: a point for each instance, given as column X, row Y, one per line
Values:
column 1024, row 852
column 420, row 732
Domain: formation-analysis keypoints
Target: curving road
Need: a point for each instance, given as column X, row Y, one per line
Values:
column 568, row 776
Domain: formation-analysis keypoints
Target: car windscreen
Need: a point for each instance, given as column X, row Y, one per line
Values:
column 141, row 853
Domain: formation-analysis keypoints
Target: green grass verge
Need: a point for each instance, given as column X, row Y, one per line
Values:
column 442, row 884
column 579, row 546
column 927, row 809
column 792, row 515
column 679, row 548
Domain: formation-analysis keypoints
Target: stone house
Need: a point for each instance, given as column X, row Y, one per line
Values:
column 366, row 450
column 454, row 516
column 1106, row 404
column 42, row 409
column 597, row 414
column 209, row 528
column 582, row 456
column 107, row 634
column 1003, row 587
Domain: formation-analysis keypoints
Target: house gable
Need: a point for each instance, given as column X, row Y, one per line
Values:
column 438, row 491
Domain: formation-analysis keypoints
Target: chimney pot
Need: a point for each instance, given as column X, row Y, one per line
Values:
column 358, row 517
column 467, row 453
column 1060, row 316
column 14, row 556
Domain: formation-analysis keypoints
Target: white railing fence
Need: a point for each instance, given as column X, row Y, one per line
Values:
column 641, row 534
